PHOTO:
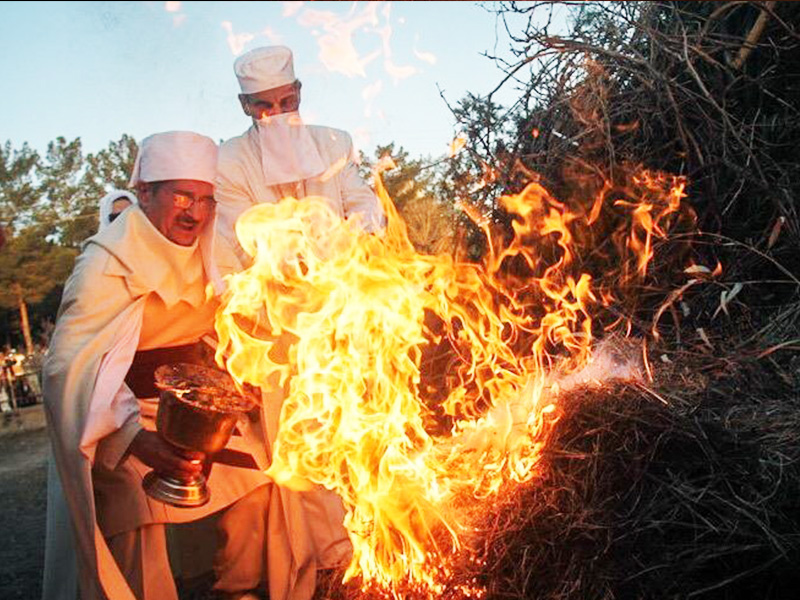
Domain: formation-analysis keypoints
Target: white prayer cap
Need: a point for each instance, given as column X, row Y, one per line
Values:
column 175, row 155
column 264, row 68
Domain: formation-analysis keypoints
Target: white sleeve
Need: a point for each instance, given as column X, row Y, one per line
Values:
column 358, row 197
column 233, row 198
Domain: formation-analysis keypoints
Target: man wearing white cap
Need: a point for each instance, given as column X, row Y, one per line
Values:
column 280, row 156
column 136, row 299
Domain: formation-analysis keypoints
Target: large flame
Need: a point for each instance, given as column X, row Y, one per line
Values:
column 345, row 320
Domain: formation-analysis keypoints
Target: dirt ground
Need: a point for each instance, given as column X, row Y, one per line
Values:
column 23, row 501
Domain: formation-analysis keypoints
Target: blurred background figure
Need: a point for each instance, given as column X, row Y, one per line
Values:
column 7, row 400
column 20, row 383
column 112, row 205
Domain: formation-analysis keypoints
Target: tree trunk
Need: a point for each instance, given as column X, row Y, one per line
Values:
column 23, row 319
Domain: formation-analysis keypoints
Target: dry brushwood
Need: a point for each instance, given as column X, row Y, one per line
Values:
column 706, row 90
column 689, row 492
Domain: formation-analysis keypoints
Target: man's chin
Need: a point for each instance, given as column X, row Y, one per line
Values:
column 183, row 237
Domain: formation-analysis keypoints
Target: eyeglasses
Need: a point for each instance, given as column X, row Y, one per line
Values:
column 185, row 201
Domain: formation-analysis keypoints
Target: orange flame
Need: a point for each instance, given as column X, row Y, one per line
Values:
column 457, row 144
column 342, row 319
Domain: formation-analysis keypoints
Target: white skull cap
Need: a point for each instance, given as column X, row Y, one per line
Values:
column 175, row 155
column 264, row 69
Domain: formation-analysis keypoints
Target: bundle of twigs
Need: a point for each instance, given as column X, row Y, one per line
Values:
column 686, row 489
column 707, row 90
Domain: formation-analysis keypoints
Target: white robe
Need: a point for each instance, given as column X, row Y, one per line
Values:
column 240, row 184
column 305, row 529
column 92, row 415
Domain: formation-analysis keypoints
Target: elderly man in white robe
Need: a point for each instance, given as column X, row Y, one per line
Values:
column 280, row 156
column 137, row 298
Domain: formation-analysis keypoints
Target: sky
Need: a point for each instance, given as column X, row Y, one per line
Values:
column 97, row 70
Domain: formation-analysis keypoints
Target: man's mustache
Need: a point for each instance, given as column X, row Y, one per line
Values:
column 188, row 222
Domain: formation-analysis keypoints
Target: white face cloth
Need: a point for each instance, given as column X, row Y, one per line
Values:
column 288, row 152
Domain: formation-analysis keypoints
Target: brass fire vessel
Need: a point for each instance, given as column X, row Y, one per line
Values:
column 198, row 410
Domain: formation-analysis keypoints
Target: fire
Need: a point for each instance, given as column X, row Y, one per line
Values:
column 645, row 223
column 456, row 145
column 343, row 321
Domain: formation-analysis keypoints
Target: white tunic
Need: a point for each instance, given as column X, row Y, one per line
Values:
column 240, row 184
column 305, row 530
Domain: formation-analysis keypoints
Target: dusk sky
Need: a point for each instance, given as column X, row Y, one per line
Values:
column 96, row 70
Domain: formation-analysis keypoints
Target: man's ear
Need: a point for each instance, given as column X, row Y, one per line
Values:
column 245, row 104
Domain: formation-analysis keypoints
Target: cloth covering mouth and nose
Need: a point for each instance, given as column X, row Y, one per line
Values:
column 288, row 152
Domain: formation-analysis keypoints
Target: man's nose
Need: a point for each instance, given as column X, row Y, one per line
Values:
column 198, row 211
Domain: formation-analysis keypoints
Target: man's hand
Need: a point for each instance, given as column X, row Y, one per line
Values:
column 154, row 451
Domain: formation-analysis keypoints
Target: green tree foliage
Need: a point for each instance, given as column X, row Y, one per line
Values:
column 62, row 208
column 30, row 268
column 18, row 189
column 111, row 167
column 108, row 169
column 432, row 221
column 471, row 170
column 410, row 179
column 48, row 207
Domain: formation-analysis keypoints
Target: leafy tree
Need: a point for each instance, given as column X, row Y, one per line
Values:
column 18, row 190
column 411, row 184
column 408, row 180
column 59, row 178
column 30, row 267
column 111, row 167
column 476, row 174
column 48, row 207
column 108, row 169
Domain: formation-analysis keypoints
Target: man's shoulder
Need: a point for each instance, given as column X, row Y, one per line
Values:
column 233, row 155
column 97, row 259
column 94, row 251
column 329, row 133
column 234, row 145
column 330, row 137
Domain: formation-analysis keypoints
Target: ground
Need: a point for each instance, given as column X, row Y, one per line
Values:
column 23, row 501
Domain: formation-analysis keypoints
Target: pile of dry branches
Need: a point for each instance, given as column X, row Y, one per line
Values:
column 702, row 89
column 688, row 489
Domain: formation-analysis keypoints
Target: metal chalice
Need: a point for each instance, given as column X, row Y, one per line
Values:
column 198, row 410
